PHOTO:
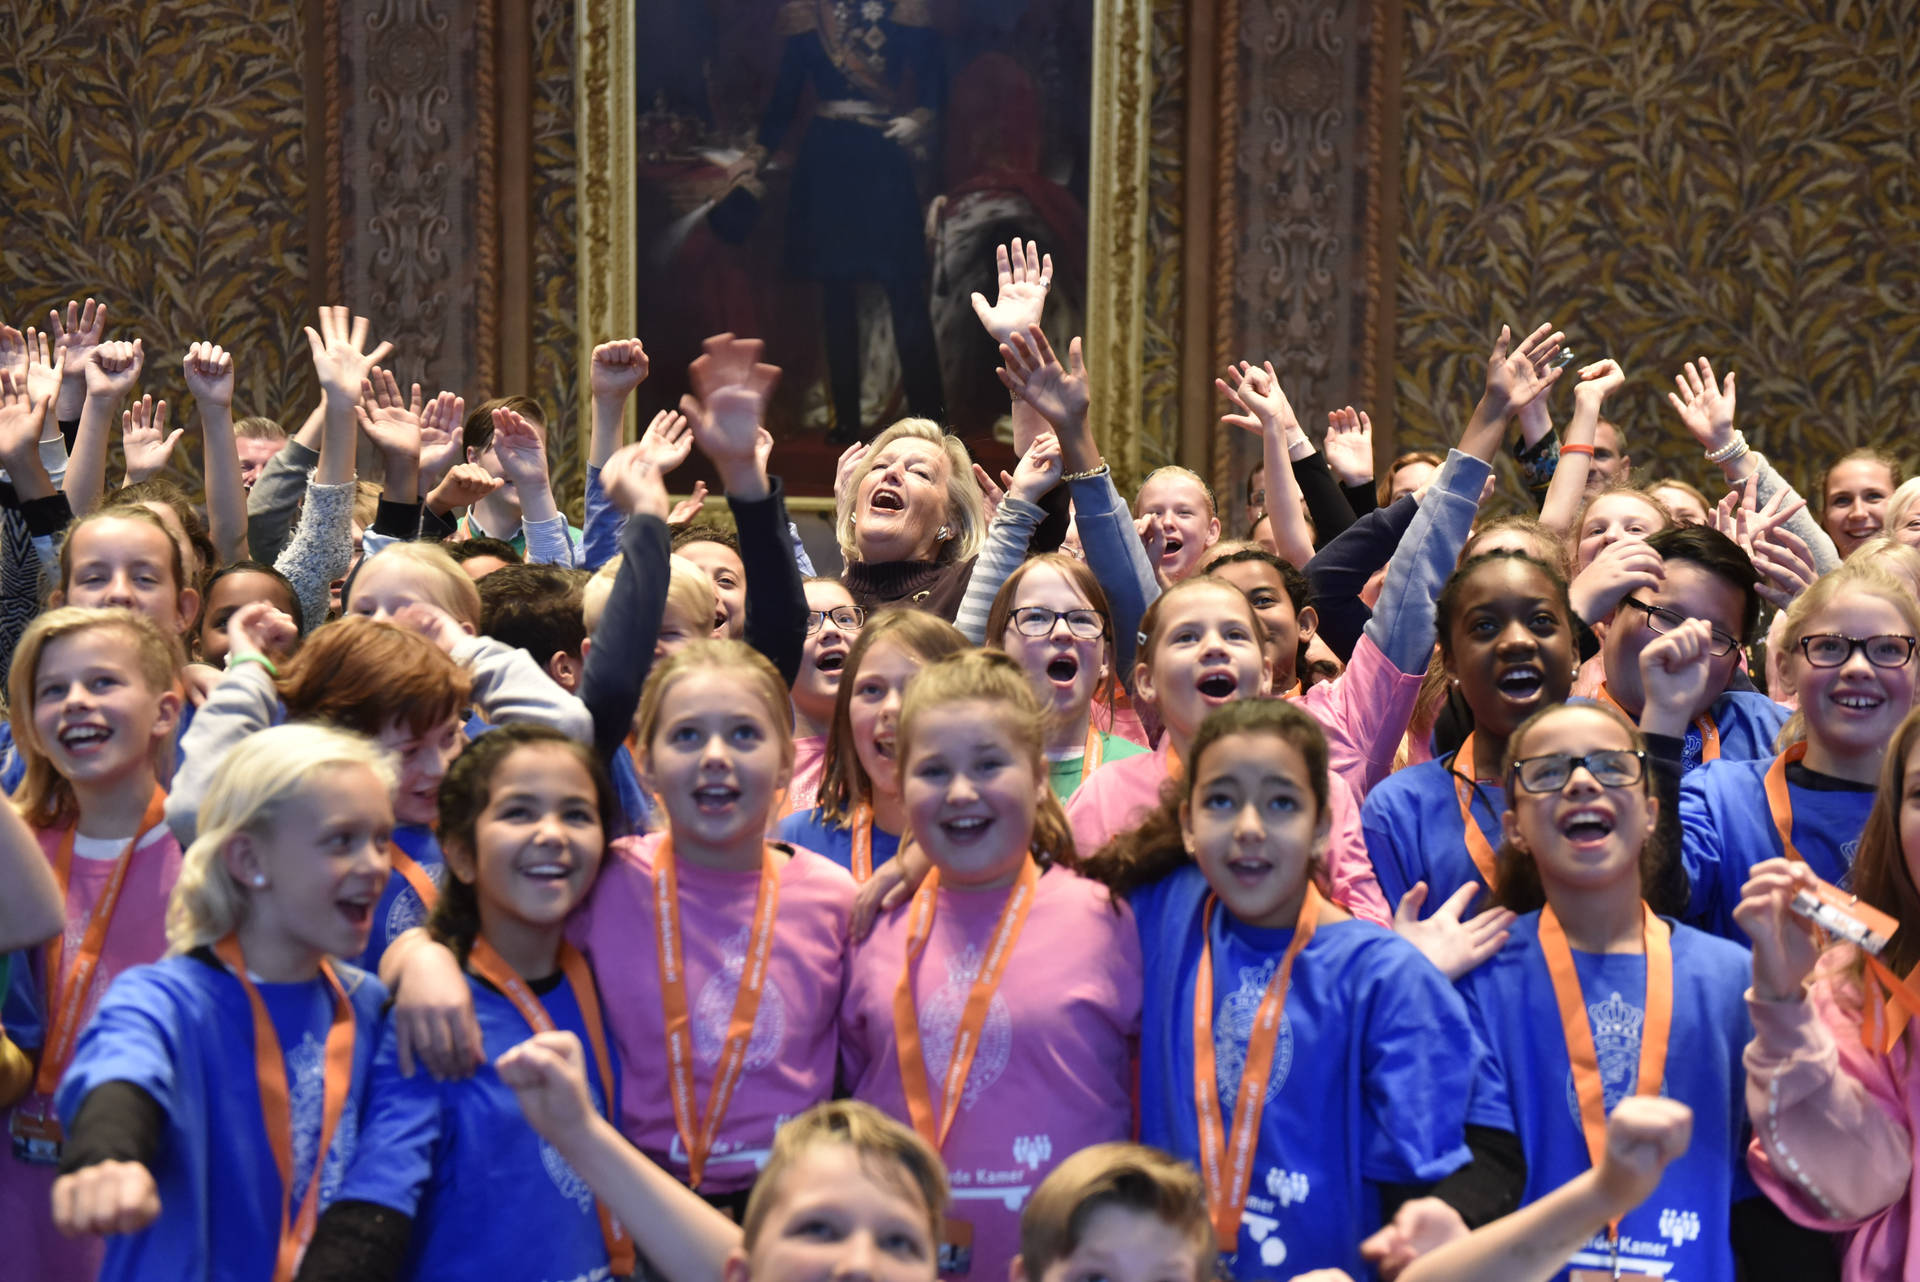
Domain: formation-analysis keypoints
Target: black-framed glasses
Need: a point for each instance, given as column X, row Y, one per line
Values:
column 1038, row 621
column 1831, row 650
column 1661, row 619
column 1610, row 768
column 847, row 618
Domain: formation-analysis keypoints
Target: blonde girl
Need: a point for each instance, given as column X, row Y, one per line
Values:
column 93, row 709
column 212, row 1104
column 1004, row 958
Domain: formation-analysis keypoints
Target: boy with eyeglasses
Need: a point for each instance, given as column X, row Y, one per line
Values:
column 1704, row 575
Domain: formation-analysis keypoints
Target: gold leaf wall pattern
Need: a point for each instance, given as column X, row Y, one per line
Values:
column 1734, row 179
column 555, row 309
column 154, row 156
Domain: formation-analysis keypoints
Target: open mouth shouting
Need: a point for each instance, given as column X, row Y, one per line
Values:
column 85, row 739
column 1217, row 686
column 886, row 499
column 356, row 910
column 1062, row 669
column 715, row 798
column 1520, row 683
column 830, row 661
column 1588, row 827
column 1170, row 550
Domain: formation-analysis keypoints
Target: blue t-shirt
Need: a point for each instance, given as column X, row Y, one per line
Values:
column 1411, row 821
column 1370, row 1072
column 399, row 908
column 1726, row 828
column 1748, row 722
column 809, row 830
column 635, row 806
column 182, row 1030
column 488, row 1197
column 1526, row 1085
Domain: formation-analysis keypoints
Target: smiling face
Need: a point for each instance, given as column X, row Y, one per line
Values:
column 1179, row 507
column 873, row 711
column 716, row 762
column 1253, row 825
column 324, row 862
column 1852, row 710
column 538, row 842
column 1582, row 836
column 825, row 655
column 839, row 1217
column 900, row 504
column 1206, row 653
column 1855, row 503
column 96, row 717
column 1063, row 669
column 1611, row 518
column 1266, row 592
column 128, row 562
column 1610, row 462
column 424, row 759
column 971, row 788
column 1693, row 592
column 255, row 453
column 723, row 565
column 227, row 596
column 1509, row 645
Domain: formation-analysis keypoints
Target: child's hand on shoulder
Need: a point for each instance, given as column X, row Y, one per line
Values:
column 432, row 1014
column 433, row 623
column 259, row 627
column 108, row 1197
column 548, row 1074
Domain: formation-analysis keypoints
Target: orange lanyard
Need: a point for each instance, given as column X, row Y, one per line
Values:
column 485, row 961
column 270, row 1072
column 1227, row 1163
column 409, row 867
column 1882, row 1023
column 973, row 1017
column 1585, row 1061
column 65, row 995
column 698, row 1134
column 1704, row 723
column 1093, row 753
column 1479, row 849
column 861, row 826
column 1779, row 803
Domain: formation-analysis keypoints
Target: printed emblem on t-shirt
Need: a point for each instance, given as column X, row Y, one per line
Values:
column 406, row 911
column 940, row 1024
column 1260, row 1218
column 565, row 1180
column 713, row 1010
column 307, row 1098
column 1616, row 1041
column 1234, row 1028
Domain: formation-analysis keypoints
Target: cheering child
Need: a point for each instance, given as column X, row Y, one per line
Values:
column 1849, row 643
column 1006, row 978
column 93, row 710
column 1314, row 1067
column 1831, row 1071
column 212, row 1104
column 833, row 624
column 1643, row 1006
column 524, row 818
column 859, row 817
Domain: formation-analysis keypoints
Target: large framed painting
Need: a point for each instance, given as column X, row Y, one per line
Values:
column 832, row 176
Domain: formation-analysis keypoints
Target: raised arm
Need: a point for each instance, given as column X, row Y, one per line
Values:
column 1025, row 275
column 33, row 910
column 1014, row 522
column 620, row 653
column 521, row 445
column 1264, row 409
column 112, row 370
column 1568, row 487
column 209, row 373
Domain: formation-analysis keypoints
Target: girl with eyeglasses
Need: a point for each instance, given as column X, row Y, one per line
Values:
column 833, row 624
column 1051, row 618
column 1595, row 997
column 1849, row 657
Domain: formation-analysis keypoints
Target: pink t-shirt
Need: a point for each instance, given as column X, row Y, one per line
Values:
column 136, row 937
column 1121, row 794
column 1054, row 1068
column 809, row 756
column 791, row 1055
column 1364, row 711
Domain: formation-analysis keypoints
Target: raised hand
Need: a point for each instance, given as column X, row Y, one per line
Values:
column 13, row 351
column 732, row 385
column 1255, row 391
column 113, row 369
column 393, row 424
column 634, row 480
column 83, row 330
column 1645, row 1134
column 340, row 360
column 1059, row 394
column 1453, row 943
column 1516, row 376
column 1676, row 670
column 848, row 463
column 1349, row 446
column 144, row 439
column 209, row 373
column 1025, row 277
column 991, row 493
column 1038, row 470
column 464, row 485
column 259, row 628
column 1598, row 381
column 667, row 441
column 1785, row 944
column 442, row 420
column 1785, row 564
column 689, row 507
column 727, row 361
column 22, row 415
column 1705, row 404
column 521, row 447
column 45, row 370
column 1617, row 570
column 617, row 368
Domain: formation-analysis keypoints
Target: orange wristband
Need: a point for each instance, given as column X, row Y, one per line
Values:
column 1577, row 449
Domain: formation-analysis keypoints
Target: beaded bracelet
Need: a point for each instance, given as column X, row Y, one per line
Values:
column 1731, row 450
column 1087, row 475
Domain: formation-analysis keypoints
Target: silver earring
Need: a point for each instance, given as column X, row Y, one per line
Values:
column 945, row 533
column 259, row 879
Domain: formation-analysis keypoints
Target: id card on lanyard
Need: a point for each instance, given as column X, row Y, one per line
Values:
column 34, row 1130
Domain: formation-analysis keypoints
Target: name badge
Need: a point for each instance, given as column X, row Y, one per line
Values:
column 956, row 1247
column 36, row 1137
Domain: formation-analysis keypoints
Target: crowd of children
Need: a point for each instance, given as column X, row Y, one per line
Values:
column 405, row 883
